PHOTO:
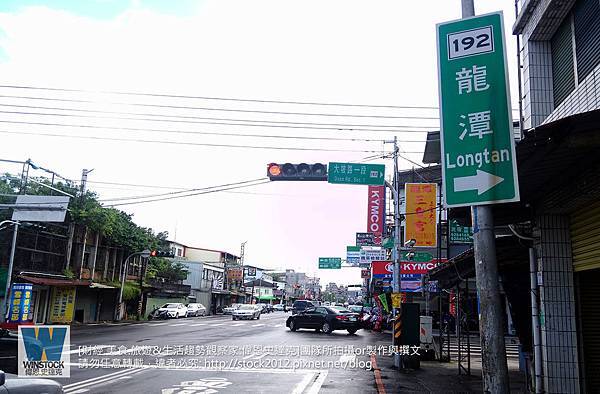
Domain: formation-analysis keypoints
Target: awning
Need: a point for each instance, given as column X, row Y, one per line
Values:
column 54, row 281
column 266, row 298
column 509, row 252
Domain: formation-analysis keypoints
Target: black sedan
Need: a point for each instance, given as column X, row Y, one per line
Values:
column 325, row 319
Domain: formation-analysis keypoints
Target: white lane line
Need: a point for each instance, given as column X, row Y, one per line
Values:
column 218, row 324
column 126, row 375
column 278, row 325
column 80, row 391
column 177, row 324
column 348, row 358
column 102, row 377
column 257, row 325
column 316, row 386
column 300, row 387
column 237, row 324
column 159, row 324
column 198, row 324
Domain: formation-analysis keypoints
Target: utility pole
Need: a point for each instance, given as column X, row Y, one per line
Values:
column 396, row 281
column 84, row 174
column 5, row 306
column 494, row 366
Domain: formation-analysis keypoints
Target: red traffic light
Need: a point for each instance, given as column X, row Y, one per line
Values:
column 274, row 170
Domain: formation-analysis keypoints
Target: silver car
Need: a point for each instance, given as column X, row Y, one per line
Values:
column 13, row 384
column 196, row 309
column 247, row 311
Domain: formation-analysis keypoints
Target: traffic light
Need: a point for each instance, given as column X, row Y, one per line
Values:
column 160, row 253
column 297, row 172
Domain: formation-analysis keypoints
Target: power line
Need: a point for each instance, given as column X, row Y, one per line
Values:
column 170, row 131
column 187, row 195
column 183, row 191
column 216, row 98
column 219, row 123
column 121, row 93
column 337, row 125
column 242, row 110
column 189, row 143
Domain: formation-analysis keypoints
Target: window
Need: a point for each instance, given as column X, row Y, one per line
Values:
column 563, row 69
column 586, row 20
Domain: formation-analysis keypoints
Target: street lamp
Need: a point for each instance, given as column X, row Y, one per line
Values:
column 145, row 254
column 10, row 265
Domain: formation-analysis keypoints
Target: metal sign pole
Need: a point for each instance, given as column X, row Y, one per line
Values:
column 493, row 351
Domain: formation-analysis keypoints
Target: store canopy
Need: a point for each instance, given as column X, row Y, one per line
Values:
column 266, row 298
column 54, row 281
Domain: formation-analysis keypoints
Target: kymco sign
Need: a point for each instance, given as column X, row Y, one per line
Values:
column 376, row 212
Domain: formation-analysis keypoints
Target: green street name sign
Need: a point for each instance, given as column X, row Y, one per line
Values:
column 330, row 263
column 419, row 257
column 477, row 143
column 356, row 174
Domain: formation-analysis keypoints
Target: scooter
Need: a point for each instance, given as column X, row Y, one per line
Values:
column 158, row 315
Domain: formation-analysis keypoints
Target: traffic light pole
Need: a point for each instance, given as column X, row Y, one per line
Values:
column 396, row 281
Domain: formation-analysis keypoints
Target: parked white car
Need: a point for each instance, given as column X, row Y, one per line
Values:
column 278, row 307
column 229, row 309
column 247, row 311
column 194, row 309
column 174, row 310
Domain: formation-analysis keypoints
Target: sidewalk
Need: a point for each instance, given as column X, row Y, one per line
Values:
column 437, row 377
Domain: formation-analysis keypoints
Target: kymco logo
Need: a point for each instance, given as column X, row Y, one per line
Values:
column 44, row 351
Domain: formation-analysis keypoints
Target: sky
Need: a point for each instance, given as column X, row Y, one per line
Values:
column 379, row 56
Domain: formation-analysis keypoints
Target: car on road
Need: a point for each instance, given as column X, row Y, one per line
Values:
column 279, row 307
column 325, row 319
column 247, row 311
column 228, row 310
column 10, row 383
column 194, row 309
column 301, row 305
column 174, row 310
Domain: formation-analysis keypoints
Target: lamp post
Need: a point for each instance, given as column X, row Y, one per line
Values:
column 145, row 254
column 10, row 265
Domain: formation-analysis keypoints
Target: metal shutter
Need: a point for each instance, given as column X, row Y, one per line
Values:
column 563, row 72
column 589, row 321
column 586, row 18
column 585, row 238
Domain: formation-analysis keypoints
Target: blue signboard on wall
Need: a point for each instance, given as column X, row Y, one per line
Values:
column 20, row 302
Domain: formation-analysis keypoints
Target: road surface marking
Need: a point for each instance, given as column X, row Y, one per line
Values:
column 347, row 358
column 198, row 324
column 316, row 386
column 300, row 387
column 257, row 325
column 278, row 325
column 377, row 373
column 218, row 324
column 69, row 388
column 159, row 324
column 80, row 391
column 177, row 324
column 237, row 324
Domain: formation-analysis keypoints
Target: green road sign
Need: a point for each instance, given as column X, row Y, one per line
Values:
column 478, row 149
column 419, row 257
column 460, row 234
column 356, row 174
column 330, row 263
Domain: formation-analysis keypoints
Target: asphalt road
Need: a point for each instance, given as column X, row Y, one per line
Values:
column 217, row 355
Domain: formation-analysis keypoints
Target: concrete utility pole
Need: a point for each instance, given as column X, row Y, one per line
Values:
column 11, row 261
column 396, row 282
column 494, row 366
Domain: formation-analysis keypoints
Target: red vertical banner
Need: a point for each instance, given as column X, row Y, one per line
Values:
column 376, row 212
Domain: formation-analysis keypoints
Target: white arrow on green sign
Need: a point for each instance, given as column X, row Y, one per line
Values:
column 356, row 174
column 330, row 263
column 477, row 143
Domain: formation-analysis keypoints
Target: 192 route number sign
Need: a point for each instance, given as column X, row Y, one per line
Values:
column 477, row 143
